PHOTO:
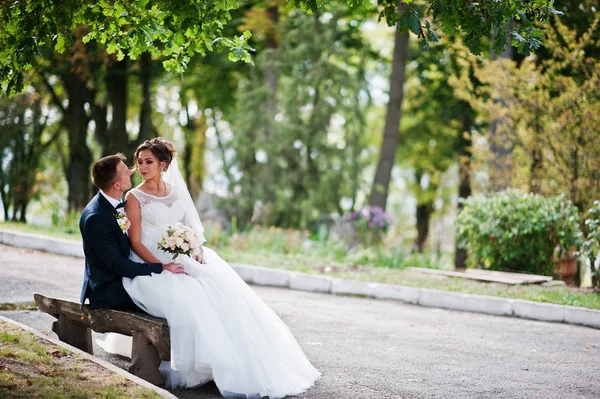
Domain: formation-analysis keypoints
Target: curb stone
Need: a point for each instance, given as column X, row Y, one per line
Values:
column 582, row 317
column 353, row 287
column 444, row 300
column 539, row 311
column 398, row 293
column 271, row 277
column 258, row 275
column 53, row 245
column 111, row 367
column 309, row 282
column 490, row 305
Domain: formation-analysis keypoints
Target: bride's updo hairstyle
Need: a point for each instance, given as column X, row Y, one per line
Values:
column 162, row 149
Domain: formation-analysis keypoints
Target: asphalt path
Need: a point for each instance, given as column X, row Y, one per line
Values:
column 367, row 348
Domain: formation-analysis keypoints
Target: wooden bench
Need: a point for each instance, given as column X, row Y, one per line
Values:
column 74, row 325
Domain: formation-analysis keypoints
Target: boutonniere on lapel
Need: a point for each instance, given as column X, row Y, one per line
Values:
column 122, row 219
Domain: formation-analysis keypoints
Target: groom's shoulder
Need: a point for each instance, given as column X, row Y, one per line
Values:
column 91, row 209
column 92, row 205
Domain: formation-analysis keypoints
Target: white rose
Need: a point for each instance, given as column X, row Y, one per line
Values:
column 179, row 241
column 185, row 247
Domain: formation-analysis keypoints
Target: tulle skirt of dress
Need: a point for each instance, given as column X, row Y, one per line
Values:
column 222, row 331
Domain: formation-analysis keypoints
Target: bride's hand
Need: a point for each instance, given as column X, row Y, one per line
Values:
column 200, row 259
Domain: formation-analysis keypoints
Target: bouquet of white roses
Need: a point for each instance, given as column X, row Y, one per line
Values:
column 180, row 239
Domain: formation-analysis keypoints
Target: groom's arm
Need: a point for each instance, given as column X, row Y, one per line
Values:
column 101, row 240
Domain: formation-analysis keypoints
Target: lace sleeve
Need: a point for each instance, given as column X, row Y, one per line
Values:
column 139, row 195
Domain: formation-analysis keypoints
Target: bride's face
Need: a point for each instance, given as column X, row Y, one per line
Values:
column 148, row 165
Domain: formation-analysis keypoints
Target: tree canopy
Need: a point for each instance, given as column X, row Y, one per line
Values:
column 179, row 29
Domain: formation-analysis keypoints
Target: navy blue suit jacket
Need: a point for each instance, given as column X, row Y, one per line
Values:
column 107, row 250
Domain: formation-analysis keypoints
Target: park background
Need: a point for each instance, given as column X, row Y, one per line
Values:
column 342, row 146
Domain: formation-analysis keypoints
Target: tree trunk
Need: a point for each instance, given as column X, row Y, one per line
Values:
column 271, row 73
column 424, row 212
column 464, row 174
column 194, row 133
column 4, row 206
column 116, row 84
column 575, row 197
column 147, row 129
column 391, row 133
column 99, row 115
column 500, row 162
column 76, row 122
column 535, row 180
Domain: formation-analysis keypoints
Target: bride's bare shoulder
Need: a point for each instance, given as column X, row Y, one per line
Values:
column 130, row 196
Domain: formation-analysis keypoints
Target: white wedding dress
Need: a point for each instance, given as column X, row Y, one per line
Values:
column 220, row 329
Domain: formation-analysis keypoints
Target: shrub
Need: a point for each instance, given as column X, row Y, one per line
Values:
column 517, row 231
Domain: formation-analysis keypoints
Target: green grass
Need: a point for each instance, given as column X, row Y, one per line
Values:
column 54, row 231
column 559, row 295
column 18, row 306
column 282, row 249
column 31, row 367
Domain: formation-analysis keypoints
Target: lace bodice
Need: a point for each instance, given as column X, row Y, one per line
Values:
column 158, row 212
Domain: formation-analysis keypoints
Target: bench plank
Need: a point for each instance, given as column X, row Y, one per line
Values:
column 56, row 307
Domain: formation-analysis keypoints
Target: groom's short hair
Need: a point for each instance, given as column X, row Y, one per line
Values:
column 104, row 171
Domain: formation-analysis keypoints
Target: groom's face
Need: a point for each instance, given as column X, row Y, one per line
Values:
column 124, row 177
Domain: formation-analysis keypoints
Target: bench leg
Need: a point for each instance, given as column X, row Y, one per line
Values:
column 73, row 333
column 145, row 360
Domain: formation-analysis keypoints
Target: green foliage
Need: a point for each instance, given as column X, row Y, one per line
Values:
column 549, row 110
column 67, row 221
column 179, row 29
column 391, row 258
column 591, row 245
column 174, row 29
column 27, row 131
column 295, row 246
column 431, row 118
column 298, row 151
column 512, row 230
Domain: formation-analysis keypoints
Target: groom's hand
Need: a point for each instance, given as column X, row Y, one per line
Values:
column 174, row 268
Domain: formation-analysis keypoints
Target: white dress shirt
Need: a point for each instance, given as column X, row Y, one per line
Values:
column 113, row 202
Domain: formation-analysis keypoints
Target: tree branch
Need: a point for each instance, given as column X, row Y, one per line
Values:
column 55, row 97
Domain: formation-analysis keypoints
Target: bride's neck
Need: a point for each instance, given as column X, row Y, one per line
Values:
column 153, row 183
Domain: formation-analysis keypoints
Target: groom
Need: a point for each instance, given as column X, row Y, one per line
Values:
column 105, row 243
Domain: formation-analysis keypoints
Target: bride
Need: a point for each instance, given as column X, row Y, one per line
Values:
column 220, row 329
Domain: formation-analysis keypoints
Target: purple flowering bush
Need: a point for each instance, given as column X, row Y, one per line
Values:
column 371, row 223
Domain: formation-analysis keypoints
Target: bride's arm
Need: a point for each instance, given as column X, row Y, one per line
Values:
column 134, row 214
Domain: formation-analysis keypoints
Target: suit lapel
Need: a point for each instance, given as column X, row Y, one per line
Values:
column 107, row 207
